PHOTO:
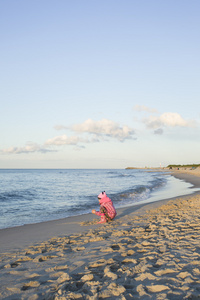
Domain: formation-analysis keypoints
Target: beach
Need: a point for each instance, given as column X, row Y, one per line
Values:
column 150, row 251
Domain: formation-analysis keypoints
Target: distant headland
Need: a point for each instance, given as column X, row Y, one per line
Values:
column 193, row 166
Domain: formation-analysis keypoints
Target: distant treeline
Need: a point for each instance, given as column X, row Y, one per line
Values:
column 184, row 166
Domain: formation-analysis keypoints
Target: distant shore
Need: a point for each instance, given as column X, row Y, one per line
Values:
column 175, row 170
column 148, row 250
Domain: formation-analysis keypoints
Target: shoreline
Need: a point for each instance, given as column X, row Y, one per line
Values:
column 19, row 237
column 149, row 251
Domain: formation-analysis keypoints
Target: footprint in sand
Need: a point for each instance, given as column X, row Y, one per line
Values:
column 14, row 265
column 29, row 285
column 87, row 223
column 61, row 277
column 44, row 258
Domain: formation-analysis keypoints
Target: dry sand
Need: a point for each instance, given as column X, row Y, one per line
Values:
column 148, row 252
column 185, row 171
column 191, row 171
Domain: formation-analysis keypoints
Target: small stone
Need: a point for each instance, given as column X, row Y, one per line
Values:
column 130, row 252
column 157, row 288
column 88, row 277
column 145, row 244
column 183, row 275
column 64, row 277
column 140, row 290
column 129, row 260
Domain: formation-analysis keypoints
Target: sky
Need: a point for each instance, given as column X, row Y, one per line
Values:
column 99, row 84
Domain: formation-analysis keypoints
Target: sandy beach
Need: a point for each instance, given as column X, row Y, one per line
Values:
column 150, row 251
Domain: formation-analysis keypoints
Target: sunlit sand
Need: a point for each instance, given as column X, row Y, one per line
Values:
column 148, row 252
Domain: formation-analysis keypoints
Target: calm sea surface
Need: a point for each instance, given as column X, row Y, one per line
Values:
column 32, row 196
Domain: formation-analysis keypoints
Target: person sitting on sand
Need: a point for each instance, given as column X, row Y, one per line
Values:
column 107, row 210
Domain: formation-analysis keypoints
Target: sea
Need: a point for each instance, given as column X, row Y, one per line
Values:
column 36, row 195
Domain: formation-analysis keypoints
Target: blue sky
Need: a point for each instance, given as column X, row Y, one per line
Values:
column 99, row 84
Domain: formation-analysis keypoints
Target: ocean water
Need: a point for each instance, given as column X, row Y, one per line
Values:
column 32, row 196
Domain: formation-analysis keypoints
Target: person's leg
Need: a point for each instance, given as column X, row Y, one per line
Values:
column 103, row 219
column 104, row 211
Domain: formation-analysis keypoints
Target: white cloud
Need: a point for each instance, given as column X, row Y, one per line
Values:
column 167, row 119
column 70, row 140
column 78, row 148
column 158, row 131
column 104, row 128
column 89, row 132
column 62, row 140
column 141, row 108
column 29, row 148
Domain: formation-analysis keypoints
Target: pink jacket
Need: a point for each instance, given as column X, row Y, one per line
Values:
column 107, row 203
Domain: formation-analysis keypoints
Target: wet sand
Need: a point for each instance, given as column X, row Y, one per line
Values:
column 149, row 251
